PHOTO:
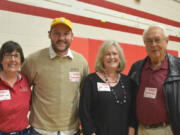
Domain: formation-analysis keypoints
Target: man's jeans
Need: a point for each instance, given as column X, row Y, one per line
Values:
column 33, row 132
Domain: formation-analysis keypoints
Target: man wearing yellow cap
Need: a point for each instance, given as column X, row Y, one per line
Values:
column 55, row 74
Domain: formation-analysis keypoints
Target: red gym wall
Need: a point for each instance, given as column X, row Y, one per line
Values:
column 89, row 49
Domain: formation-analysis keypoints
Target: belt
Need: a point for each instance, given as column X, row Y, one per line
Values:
column 161, row 124
column 22, row 132
column 42, row 132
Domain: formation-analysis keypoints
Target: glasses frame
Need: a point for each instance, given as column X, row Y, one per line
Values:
column 155, row 40
column 11, row 56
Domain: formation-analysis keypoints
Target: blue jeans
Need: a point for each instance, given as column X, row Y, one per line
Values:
column 32, row 131
column 22, row 132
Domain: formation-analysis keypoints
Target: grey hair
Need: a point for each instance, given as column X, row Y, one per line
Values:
column 159, row 26
column 99, row 65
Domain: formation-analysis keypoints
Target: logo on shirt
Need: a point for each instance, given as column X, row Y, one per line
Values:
column 24, row 89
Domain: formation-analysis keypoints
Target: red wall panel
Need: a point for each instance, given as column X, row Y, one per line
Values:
column 132, row 53
column 94, row 46
column 90, row 47
column 81, row 45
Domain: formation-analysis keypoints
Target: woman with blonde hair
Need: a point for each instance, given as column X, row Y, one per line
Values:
column 106, row 98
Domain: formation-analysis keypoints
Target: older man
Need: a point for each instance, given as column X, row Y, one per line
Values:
column 55, row 73
column 157, row 79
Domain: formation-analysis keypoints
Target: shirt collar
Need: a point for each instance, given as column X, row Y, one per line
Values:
column 19, row 76
column 164, row 64
column 53, row 54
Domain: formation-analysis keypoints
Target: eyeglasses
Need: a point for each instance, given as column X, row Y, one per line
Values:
column 151, row 41
column 10, row 56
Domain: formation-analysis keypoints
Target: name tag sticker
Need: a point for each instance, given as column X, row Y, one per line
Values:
column 74, row 76
column 5, row 95
column 103, row 87
column 150, row 92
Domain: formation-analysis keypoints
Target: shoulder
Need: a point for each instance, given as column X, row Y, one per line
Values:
column 34, row 59
column 139, row 62
column 137, row 65
column 127, row 81
column 173, row 59
column 91, row 75
column 38, row 54
column 174, row 64
column 23, row 77
column 78, row 56
column 125, row 78
column 91, row 81
column 24, row 83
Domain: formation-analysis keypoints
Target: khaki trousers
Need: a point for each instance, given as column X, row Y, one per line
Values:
column 154, row 131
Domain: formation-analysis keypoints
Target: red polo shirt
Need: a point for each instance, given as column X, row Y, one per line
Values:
column 150, row 101
column 14, row 105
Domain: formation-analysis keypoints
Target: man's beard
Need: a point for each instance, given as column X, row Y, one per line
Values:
column 56, row 49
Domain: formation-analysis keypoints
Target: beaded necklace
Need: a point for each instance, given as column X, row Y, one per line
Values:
column 118, row 101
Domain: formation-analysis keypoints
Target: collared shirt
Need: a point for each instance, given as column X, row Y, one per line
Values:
column 14, row 105
column 151, row 107
column 53, row 54
column 66, row 132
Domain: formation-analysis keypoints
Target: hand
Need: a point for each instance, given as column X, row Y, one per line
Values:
column 131, row 131
column 93, row 134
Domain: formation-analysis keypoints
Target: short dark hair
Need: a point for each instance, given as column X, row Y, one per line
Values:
column 9, row 47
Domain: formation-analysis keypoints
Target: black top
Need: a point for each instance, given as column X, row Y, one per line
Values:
column 103, row 113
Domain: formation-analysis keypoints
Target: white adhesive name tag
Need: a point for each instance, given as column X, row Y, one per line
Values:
column 74, row 76
column 150, row 92
column 5, row 95
column 103, row 86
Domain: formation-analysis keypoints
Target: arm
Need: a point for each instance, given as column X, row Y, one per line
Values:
column 85, row 73
column 85, row 108
column 27, row 70
column 132, row 113
column 131, row 131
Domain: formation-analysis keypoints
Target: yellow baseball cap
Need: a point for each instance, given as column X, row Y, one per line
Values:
column 61, row 20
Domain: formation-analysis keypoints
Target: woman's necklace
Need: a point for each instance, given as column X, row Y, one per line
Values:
column 124, row 98
column 114, row 81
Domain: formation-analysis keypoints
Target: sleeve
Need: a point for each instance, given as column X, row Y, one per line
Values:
column 85, row 73
column 131, row 71
column 86, row 69
column 26, row 84
column 27, row 70
column 132, row 112
column 86, row 106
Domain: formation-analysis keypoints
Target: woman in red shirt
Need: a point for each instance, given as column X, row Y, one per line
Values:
column 15, row 92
